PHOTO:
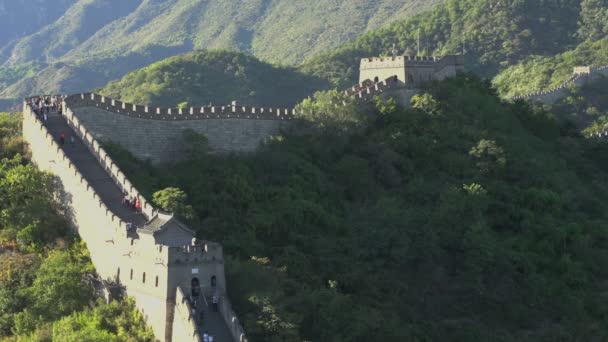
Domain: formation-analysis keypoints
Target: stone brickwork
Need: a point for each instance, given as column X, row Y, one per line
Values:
column 150, row 273
column 184, row 323
column 411, row 71
column 580, row 76
column 156, row 133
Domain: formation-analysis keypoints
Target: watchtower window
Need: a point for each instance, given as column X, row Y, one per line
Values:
column 118, row 275
column 195, row 287
column 143, row 280
column 376, row 79
column 213, row 281
column 131, row 276
column 156, row 283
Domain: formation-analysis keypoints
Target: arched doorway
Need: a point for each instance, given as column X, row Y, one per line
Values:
column 376, row 79
column 213, row 281
column 195, row 288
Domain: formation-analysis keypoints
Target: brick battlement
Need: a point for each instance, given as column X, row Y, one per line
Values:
column 580, row 76
column 367, row 89
column 178, row 114
column 401, row 60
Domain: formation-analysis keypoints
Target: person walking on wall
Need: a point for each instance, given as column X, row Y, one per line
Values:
column 126, row 200
column 72, row 140
column 138, row 206
column 45, row 117
column 62, row 138
column 206, row 337
column 215, row 301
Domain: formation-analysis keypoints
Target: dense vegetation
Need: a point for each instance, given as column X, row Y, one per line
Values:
column 464, row 218
column 496, row 34
column 585, row 108
column 549, row 36
column 95, row 41
column 542, row 72
column 214, row 76
column 46, row 292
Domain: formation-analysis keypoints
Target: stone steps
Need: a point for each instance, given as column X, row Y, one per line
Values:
column 213, row 323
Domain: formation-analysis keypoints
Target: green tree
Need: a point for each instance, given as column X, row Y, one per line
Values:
column 174, row 201
column 331, row 110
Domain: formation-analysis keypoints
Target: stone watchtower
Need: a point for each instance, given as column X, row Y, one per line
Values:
column 411, row 71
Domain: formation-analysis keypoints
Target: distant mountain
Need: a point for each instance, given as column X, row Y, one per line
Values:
column 494, row 34
column 215, row 76
column 104, row 39
column 541, row 72
column 19, row 18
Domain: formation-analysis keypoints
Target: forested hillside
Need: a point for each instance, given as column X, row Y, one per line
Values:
column 19, row 18
column 96, row 41
column 495, row 35
column 464, row 218
column 540, row 72
column 215, row 76
column 46, row 293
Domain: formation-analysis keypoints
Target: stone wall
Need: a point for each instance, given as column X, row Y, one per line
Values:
column 157, row 134
column 412, row 70
column 184, row 323
column 149, row 273
column 580, row 76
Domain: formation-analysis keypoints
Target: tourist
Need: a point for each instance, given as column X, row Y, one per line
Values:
column 129, row 226
column 215, row 300
column 126, row 200
column 62, row 138
column 206, row 337
column 72, row 140
column 210, row 338
column 45, row 117
column 138, row 206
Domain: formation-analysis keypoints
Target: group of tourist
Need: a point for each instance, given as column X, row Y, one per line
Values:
column 43, row 105
column 62, row 138
column 132, row 202
column 201, row 312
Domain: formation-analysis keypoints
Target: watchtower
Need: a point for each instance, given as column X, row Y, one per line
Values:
column 412, row 71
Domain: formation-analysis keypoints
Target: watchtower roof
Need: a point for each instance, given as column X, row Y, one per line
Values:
column 162, row 223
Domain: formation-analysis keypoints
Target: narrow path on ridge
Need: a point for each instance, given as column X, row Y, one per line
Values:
column 92, row 171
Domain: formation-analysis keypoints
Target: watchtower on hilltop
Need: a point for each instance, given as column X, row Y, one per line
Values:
column 412, row 71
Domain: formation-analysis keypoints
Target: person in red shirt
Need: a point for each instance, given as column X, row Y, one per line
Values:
column 138, row 206
column 62, row 138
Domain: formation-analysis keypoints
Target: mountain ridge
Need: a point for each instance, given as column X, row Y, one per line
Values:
column 127, row 35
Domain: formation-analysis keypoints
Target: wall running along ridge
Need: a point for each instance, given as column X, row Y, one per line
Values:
column 119, row 258
column 156, row 134
column 581, row 76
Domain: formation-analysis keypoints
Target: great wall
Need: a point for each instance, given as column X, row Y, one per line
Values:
column 581, row 75
column 151, row 256
column 156, row 133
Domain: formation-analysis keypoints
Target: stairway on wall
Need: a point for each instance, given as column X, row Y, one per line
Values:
column 92, row 171
column 213, row 323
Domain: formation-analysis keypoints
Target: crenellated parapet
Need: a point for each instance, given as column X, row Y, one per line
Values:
column 106, row 161
column 233, row 111
column 150, row 260
column 120, row 226
column 366, row 90
column 580, row 76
